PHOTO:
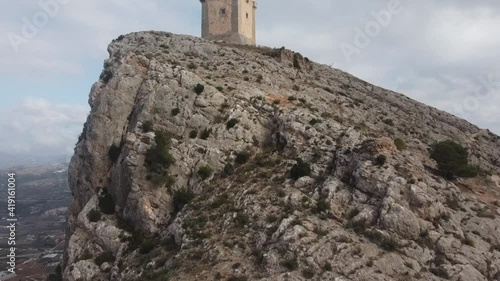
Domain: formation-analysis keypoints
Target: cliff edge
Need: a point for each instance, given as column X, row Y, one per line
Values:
column 211, row 161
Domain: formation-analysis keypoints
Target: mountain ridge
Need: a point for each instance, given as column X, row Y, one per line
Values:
column 230, row 162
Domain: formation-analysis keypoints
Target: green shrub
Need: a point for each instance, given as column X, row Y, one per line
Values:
column 193, row 134
column 205, row 134
column 159, row 160
column 292, row 98
column 94, row 215
column 290, row 264
column 296, row 63
column 228, row 169
column 106, row 202
column 259, row 78
column 147, row 126
column 242, row 157
column 308, row 273
column 114, row 152
column 105, row 257
column 205, row 172
column 192, row 65
column 176, row 111
column 452, row 160
column 198, row 89
column 219, row 88
column 400, row 144
column 181, row 198
column 300, row 169
column 231, row 123
column 314, row 121
column 147, row 246
column 322, row 205
column 389, row 122
column 380, row 160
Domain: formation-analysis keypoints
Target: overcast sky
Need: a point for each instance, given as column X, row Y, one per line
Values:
column 443, row 53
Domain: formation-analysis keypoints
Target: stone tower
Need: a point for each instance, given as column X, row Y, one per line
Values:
column 229, row 20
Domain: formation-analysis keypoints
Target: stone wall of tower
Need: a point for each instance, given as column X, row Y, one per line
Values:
column 246, row 19
column 229, row 20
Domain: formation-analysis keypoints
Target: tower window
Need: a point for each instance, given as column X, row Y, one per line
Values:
column 247, row 15
column 223, row 11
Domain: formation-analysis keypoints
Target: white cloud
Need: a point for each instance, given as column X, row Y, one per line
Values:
column 39, row 127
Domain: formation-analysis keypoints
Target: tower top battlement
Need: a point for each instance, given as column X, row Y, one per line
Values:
column 229, row 20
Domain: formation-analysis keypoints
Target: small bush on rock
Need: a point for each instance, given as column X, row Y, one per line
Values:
column 193, row 134
column 147, row 126
column 176, row 111
column 300, row 169
column 198, row 89
column 114, row 152
column 106, row 202
column 159, row 159
column 105, row 257
column 452, row 160
column 94, row 215
column 205, row 172
column 181, row 198
column 205, row 134
column 380, row 160
column 400, row 144
column 231, row 123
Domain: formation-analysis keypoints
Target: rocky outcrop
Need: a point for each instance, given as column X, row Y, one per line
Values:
column 278, row 169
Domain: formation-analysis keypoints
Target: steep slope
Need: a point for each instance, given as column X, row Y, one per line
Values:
column 208, row 161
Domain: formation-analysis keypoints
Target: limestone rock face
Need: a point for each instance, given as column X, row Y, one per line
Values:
column 278, row 169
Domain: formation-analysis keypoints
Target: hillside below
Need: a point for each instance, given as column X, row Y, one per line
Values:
column 210, row 161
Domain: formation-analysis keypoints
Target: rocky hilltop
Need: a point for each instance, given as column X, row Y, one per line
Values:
column 209, row 161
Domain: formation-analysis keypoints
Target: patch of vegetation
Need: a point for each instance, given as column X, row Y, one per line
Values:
column 380, row 160
column 300, row 169
column 199, row 88
column 94, row 215
column 181, row 198
column 114, row 152
column 106, row 202
column 389, row 122
column 232, row 123
column 205, row 134
column 219, row 88
column 147, row 126
column 242, row 157
column 192, row 65
column 296, row 88
column 308, row 273
column 296, row 62
column 242, row 219
column 292, row 98
column 290, row 264
column 228, row 169
column 176, row 111
column 147, row 246
column 276, row 102
column 400, row 144
column 314, row 121
column 205, row 172
column 452, row 160
column 159, row 160
column 193, row 134
column 105, row 257
column 322, row 205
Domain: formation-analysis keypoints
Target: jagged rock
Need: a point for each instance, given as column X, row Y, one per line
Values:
column 227, row 209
